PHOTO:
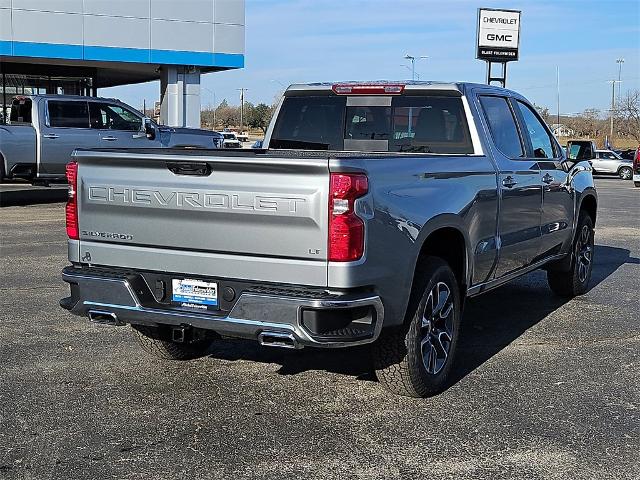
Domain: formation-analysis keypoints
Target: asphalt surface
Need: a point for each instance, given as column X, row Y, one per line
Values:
column 545, row 388
column 23, row 193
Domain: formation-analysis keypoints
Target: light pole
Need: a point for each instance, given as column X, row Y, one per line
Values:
column 613, row 106
column 619, row 61
column 413, row 59
column 558, row 96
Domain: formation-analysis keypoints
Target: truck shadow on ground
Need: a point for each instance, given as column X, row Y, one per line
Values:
column 491, row 322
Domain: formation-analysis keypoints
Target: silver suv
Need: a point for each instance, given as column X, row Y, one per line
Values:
column 610, row 162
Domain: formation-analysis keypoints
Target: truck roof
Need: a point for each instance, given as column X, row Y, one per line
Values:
column 408, row 85
column 67, row 97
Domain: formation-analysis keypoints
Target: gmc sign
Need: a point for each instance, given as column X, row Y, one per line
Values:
column 498, row 35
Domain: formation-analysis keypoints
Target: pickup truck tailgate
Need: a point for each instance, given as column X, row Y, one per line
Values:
column 226, row 214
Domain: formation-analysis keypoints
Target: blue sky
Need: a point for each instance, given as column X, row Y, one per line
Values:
column 289, row 41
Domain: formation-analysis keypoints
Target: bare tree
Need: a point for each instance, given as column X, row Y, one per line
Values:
column 544, row 113
column 586, row 124
column 628, row 113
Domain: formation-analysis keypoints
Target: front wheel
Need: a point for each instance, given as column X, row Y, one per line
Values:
column 415, row 360
column 625, row 173
column 575, row 281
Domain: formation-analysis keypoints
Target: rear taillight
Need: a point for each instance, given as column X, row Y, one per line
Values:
column 636, row 161
column 346, row 229
column 72, row 201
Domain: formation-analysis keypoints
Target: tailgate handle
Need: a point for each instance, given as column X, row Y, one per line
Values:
column 194, row 169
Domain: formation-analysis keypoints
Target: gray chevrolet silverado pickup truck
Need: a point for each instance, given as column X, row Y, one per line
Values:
column 374, row 211
column 43, row 130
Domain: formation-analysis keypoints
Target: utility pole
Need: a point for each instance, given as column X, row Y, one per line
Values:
column 242, row 90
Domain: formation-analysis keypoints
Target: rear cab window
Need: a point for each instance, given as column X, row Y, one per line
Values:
column 407, row 123
column 20, row 111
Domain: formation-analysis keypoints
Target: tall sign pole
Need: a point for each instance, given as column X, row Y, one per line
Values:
column 498, row 40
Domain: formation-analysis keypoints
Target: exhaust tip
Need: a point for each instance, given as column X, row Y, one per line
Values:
column 104, row 318
column 277, row 339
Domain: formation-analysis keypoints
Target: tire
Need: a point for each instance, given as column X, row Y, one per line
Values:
column 636, row 184
column 1, row 169
column 575, row 281
column 625, row 173
column 432, row 332
column 149, row 340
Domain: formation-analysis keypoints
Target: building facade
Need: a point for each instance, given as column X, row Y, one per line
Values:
column 78, row 46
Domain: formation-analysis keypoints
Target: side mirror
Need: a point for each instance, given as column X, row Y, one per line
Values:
column 149, row 129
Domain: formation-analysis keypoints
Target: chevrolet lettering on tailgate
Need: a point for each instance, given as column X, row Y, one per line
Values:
column 196, row 199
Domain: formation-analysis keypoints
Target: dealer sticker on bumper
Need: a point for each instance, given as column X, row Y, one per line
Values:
column 195, row 293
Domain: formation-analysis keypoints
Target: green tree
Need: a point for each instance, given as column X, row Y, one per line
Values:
column 259, row 116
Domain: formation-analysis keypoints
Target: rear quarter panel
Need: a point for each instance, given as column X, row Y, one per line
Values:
column 409, row 198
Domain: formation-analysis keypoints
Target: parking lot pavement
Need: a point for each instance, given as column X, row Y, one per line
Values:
column 23, row 193
column 546, row 388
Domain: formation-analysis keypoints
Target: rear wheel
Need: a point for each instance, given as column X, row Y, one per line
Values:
column 151, row 340
column 625, row 173
column 575, row 281
column 415, row 360
column 636, row 184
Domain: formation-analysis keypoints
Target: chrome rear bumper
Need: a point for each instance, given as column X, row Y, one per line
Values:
column 258, row 316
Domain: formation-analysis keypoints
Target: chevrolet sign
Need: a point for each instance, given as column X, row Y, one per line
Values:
column 498, row 35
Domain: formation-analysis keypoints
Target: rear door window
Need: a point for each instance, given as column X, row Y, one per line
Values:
column 68, row 114
column 502, row 125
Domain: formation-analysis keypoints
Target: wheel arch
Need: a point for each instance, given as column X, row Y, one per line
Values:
column 444, row 237
column 589, row 203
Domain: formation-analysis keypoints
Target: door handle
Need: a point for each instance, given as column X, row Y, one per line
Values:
column 547, row 179
column 109, row 139
column 509, row 182
column 50, row 135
